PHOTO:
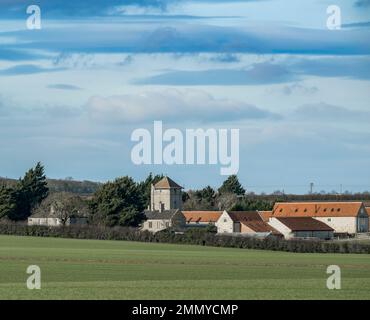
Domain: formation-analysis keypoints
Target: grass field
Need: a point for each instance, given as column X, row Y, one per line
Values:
column 90, row 269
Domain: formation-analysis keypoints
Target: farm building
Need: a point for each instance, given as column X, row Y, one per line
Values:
column 244, row 222
column 55, row 222
column 343, row 217
column 201, row 218
column 322, row 219
column 60, row 209
column 158, row 221
column 301, row 227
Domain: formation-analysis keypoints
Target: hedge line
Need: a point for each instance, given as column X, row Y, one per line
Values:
column 192, row 236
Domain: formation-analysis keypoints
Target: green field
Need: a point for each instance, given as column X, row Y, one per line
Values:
column 91, row 269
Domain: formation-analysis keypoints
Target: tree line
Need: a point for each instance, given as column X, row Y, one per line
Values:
column 115, row 203
column 18, row 201
column 121, row 202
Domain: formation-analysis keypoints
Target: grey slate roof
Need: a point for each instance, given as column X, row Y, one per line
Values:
column 164, row 215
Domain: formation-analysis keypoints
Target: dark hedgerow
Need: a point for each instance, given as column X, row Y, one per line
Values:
column 191, row 236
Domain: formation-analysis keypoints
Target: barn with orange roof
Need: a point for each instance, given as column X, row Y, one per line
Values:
column 343, row 217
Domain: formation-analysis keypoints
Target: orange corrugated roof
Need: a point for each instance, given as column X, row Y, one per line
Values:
column 265, row 215
column 202, row 216
column 316, row 209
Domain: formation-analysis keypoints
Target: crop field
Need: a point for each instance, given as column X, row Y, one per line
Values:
column 92, row 269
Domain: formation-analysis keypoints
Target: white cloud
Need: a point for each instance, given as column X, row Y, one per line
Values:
column 171, row 105
column 327, row 112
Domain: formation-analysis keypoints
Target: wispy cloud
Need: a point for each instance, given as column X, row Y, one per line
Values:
column 323, row 112
column 62, row 86
column 62, row 8
column 98, row 8
column 25, row 69
column 20, row 55
column 131, row 37
column 350, row 67
column 256, row 74
column 298, row 88
column 171, row 105
column 268, row 72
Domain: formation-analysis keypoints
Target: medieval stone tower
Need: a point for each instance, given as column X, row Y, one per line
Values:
column 165, row 195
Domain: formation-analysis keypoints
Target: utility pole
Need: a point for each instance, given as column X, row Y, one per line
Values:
column 311, row 188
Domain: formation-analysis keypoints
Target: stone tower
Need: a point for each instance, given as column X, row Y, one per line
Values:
column 165, row 195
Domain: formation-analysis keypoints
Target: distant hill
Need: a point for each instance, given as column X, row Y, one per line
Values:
column 55, row 185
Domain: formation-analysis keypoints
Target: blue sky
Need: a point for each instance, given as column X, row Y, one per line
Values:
column 72, row 92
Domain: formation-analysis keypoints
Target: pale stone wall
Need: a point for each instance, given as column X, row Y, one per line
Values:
column 199, row 224
column 340, row 224
column 169, row 198
column 225, row 224
column 156, row 225
column 54, row 222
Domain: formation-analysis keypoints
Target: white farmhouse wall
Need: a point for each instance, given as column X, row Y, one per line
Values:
column 55, row 222
column 282, row 228
column 225, row 224
column 340, row 224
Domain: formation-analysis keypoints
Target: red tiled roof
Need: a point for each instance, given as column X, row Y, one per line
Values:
column 202, row 216
column 316, row 209
column 167, row 183
column 304, row 224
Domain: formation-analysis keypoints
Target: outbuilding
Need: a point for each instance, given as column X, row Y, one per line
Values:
column 244, row 223
column 201, row 218
column 161, row 220
column 302, row 227
column 343, row 217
